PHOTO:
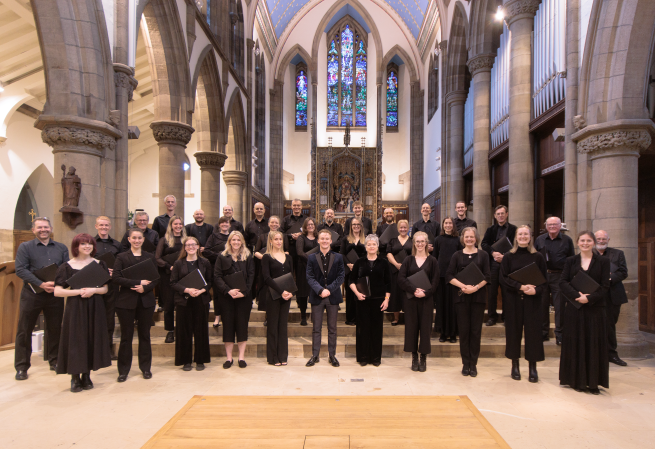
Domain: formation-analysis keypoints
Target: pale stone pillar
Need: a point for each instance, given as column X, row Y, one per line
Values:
column 455, row 191
column 210, row 163
column 480, row 67
column 236, row 182
column 570, row 151
column 172, row 138
column 276, row 153
column 613, row 149
column 519, row 15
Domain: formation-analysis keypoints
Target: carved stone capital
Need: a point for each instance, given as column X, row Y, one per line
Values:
column 171, row 132
column 443, row 45
column 481, row 63
column 235, row 177
column 520, row 9
column 58, row 136
column 124, row 78
column 456, row 97
column 210, row 160
column 625, row 141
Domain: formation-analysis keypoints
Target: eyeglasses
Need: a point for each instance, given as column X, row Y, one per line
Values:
column 191, row 245
column 357, row 226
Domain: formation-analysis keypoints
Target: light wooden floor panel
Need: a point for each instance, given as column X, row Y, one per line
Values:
column 328, row 422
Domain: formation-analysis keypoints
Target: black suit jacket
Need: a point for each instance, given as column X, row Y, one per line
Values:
column 317, row 281
column 180, row 269
column 246, row 266
column 618, row 272
column 490, row 237
column 599, row 271
column 128, row 298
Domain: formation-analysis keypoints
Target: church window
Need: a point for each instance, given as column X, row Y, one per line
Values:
column 301, row 97
column 392, row 97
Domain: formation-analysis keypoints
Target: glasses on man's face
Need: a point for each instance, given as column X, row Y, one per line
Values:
column 142, row 221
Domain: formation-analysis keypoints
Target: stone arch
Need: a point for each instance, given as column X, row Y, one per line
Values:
column 38, row 191
column 397, row 50
column 210, row 122
column 235, row 129
column 293, row 51
column 484, row 32
column 457, row 54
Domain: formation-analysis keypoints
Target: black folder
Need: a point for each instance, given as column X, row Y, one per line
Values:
column 45, row 274
column 225, row 261
column 352, row 257
column 91, row 276
column 399, row 258
column 144, row 270
column 529, row 275
column 583, row 283
column 313, row 250
column 171, row 258
column 471, row 275
column 148, row 245
column 194, row 279
column 335, row 235
column 236, row 280
column 109, row 259
column 502, row 246
column 295, row 227
column 390, row 233
column 284, row 283
column 363, row 286
column 419, row 280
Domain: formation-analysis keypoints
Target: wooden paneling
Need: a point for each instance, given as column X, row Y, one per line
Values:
column 646, row 282
column 10, row 287
column 550, row 152
column 20, row 237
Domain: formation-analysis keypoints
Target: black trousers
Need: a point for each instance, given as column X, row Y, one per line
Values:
column 235, row 318
column 418, row 324
column 31, row 305
column 351, row 305
column 302, row 303
column 469, row 322
column 317, row 324
column 552, row 290
column 370, row 318
column 613, row 312
column 110, row 310
column 126, row 320
column 492, row 298
column 191, row 328
column 277, row 338
column 519, row 314
column 166, row 296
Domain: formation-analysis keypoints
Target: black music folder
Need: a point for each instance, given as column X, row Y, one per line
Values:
column 171, row 258
column 109, row 259
column 146, row 270
column 148, row 245
column 583, row 283
column 363, row 286
column 399, row 258
column 502, row 246
column 91, row 276
column 335, row 235
column 313, row 250
column 194, row 279
column 529, row 275
column 225, row 261
column 419, row 280
column 236, row 280
column 471, row 275
column 352, row 257
column 390, row 233
column 284, row 283
column 45, row 274
column 295, row 227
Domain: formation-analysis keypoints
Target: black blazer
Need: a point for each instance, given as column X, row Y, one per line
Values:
column 379, row 277
column 246, row 266
column 618, row 273
column 317, row 281
column 458, row 262
column 127, row 298
column 273, row 269
column 180, row 269
column 409, row 268
column 490, row 237
column 599, row 271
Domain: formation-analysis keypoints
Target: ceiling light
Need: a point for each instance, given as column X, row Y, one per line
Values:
column 500, row 14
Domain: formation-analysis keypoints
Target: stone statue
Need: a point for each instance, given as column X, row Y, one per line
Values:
column 72, row 187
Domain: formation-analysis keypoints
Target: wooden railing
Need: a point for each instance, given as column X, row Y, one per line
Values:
column 10, row 287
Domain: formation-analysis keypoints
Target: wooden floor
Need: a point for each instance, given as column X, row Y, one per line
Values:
column 311, row 422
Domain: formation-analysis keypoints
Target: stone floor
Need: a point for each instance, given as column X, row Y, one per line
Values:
column 42, row 413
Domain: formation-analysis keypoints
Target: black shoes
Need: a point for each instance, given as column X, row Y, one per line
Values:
column 516, row 373
column 491, row 322
column 546, row 337
column 363, row 363
column 228, row 364
column 242, row 364
column 21, row 375
column 122, row 378
column 558, row 341
column 442, row 338
column 76, row 384
column 453, row 339
column 533, row 376
column 147, row 375
column 53, row 367
column 170, row 337
column 350, row 323
column 313, row 361
column 86, row 381
column 617, row 361
column 333, row 361
column 473, row 371
column 422, row 363
column 265, row 323
column 394, row 323
column 594, row 391
column 465, row 370
column 303, row 318
column 200, row 366
column 216, row 325
column 376, row 364
column 187, row 367
column 414, row 361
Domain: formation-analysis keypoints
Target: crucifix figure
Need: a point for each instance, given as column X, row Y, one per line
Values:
column 346, row 136
column 32, row 214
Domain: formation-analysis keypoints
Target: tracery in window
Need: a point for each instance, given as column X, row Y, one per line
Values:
column 392, row 96
column 301, row 96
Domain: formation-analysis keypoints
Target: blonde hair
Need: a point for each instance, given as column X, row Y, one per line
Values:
column 400, row 222
column 414, row 237
column 170, row 235
column 102, row 217
column 244, row 252
column 269, row 242
column 475, row 232
column 531, row 247
column 351, row 236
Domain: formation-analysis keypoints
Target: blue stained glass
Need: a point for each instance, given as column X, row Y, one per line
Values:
column 301, row 99
column 347, row 76
column 392, row 99
column 207, row 13
column 360, row 86
column 333, row 86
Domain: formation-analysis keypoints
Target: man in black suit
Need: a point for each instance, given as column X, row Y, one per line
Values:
column 325, row 274
column 358, row 209
column 387, row 220
column 141, row 220
column 329, row 223
column 295, row 220
column 618, row 272
column 199, row 229
column 498, row 231
column 425, row 224
column 235, row 225
column 160, row 223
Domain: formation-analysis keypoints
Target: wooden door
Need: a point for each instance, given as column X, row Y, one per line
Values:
column 646, row 281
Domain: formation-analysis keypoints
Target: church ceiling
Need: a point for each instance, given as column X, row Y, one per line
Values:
column 411, row 11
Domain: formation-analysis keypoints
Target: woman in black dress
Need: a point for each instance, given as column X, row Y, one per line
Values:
column 135, row 301
column 214, row 246
column 276, row 263
column 522, row 305
column 585, row 360
column 170, row 244
column 260, row 250
column 191, row 308
column 418, row 308
column 235, row 304
column 354, row 241
column 370, row 309
column 470, row 300
column 305, row 243
column 84, row 342
column 394, row 247
column 445, row 245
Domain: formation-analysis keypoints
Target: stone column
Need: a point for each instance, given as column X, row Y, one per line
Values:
column 455, row 189
column 210, row 163
column 236, row 182
column 416, row 152
column 480, row 67
column 519, row 15
column 613, row 149
column 275, row 163
column 172, row 138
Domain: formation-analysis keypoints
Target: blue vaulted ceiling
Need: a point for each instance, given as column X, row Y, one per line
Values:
column 411, row 11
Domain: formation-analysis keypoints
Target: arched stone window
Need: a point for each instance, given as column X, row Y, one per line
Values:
column 392, row 97
column 301, row 96
column 260, row 118
column 433, row 86
column 236, row 37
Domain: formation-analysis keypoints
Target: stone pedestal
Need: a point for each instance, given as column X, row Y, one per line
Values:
column 172, row 138
column 211, row 164
column 455, row 184
column 236, row 181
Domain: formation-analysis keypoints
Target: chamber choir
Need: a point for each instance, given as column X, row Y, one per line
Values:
column 443, row 267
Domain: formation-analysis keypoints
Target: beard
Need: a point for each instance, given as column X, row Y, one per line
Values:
column 601, row 247
column 389, row 219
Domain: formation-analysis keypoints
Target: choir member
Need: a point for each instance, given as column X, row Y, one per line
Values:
column 370, row 309
column 135, row 300
column 353, row 241
column 522, row 305
column 445, row 245
column 141, row 220
column 199, row 229
column 276, row 263
column 235, row 225
column 305, row 243
column 214, row 246
column 171, row 243
column 585, row 360
column 293, row 220
column 192, row 337
column 425, row 224
column 470, row 300
column 235, row 304
column 418, row 308
column 160, row 223
column 329, row 223
column 462, row 221
column 367, row 224
column 387, row 220
column 254, row 230
column 38, row 253
column 394, row 247
column 84, row 342
column 260, row 250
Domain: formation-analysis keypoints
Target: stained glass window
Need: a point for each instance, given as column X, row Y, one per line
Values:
column 208, row 12
column 333, row 85
column 360, row 81
column 392, row 99
column 301, row 98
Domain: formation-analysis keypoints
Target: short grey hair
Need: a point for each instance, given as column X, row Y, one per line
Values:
column 372, row 237
column 46, row 219
column 139, row 213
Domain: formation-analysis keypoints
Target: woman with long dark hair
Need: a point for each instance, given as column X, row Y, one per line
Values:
column 394, row 247
column 305, row 243
column 353, row 241
column 445, row 245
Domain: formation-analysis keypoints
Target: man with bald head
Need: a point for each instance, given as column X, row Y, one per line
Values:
column 199, row 229
column 256, row 227
column 387, row 220
column 329, row 223
column 617, row 296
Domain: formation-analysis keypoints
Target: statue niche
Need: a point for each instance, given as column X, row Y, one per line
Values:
column 71, row 185
column 346, row 184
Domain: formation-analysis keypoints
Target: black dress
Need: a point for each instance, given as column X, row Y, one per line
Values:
column 277, row 315
column 235, row 312
column 351, row 301
column 165, row 290
column 370, row 319
column 303, row 246
column 397, row 299
column 84, row 342
column 522, row 310
column 585, row 360
column 214, row 246
column 260, row 247
column 418, row 311
column 445, row 320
